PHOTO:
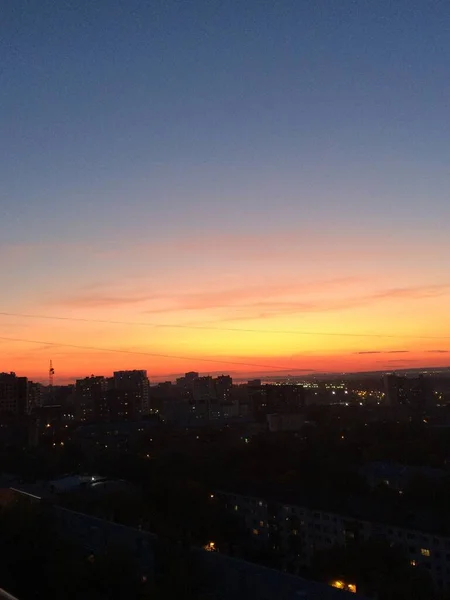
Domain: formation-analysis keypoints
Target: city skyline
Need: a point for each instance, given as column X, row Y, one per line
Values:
column 189, row 182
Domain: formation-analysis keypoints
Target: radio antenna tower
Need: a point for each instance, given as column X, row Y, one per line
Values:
column 51, row 372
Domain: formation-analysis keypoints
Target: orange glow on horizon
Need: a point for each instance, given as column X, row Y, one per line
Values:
column 254, row 319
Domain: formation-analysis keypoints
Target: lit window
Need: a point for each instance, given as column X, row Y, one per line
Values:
column 338, row 584
column 425, row 552
column 342, row 585
column 255, row 532
column 210, row 547
column 261, row 523
column 413, row 563
column 236, row 507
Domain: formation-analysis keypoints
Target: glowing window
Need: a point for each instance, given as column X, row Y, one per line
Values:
column 425, row 552
column 338, row 584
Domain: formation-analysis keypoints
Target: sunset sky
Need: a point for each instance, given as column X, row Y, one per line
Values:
column 251, row 186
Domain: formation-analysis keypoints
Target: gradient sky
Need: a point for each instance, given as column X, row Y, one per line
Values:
column 271, row 166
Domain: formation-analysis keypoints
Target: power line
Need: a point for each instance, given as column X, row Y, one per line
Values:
column 233, row 329
column 97, row 349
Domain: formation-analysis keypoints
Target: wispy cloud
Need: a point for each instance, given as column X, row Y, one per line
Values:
column 383, row 352
column 404, row 361
column 437, row 351
column 422, row 291
column 100, row 300
column 249, row 296
column 273, row 308
column 254, row 302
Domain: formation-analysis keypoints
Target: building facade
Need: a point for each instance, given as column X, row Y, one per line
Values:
column 137, row 385
column 301, row 531
column 13, row 395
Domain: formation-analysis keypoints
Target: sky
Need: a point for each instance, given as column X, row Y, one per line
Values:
column 246, row 187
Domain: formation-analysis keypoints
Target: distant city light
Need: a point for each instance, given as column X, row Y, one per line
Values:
column 342, row 585
column 210, row 547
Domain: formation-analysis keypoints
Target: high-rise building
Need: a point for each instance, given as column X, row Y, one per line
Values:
column 191, row 376
column 276, row 399
column 186, row 385
column 136, row 383
column 122, row 405
column 91, row 399
column 204, row 389
column 35, row 395
column 13, row 394
column 224, row 387
column 413, row 392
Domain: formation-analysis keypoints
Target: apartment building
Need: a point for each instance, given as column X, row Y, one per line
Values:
column 302, row 531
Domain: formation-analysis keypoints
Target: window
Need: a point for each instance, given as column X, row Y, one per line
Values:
column 255, row 532
column 413, row 563
column 425, row 552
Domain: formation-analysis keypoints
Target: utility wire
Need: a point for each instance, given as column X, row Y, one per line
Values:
column 97, row 349
column 233, row 329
